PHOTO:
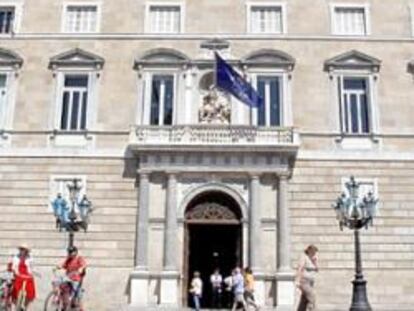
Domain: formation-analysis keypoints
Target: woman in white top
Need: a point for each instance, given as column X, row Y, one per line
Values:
column 308, row 266
column 196, row 289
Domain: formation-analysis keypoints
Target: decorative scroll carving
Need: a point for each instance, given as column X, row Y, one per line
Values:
column 211, row 212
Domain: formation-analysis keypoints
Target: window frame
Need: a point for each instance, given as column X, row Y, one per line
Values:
column 148, row 76
column 371, row 79
column 345, row 115
column 345, row 5
column 147, row 19
column 281, row 5
column 64, row 18
column 91, row 103
column 284, row 91
column 18, row 11
column 71, row 89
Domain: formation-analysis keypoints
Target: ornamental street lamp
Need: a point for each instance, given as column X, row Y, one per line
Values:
column 75, row 215
column 356, row 213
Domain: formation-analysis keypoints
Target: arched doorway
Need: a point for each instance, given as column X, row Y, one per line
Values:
column 213, row 239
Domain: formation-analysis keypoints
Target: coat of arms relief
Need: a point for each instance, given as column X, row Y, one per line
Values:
column 215, row 108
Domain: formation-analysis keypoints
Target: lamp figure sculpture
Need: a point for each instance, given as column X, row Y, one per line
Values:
column 356, row 213
column 73, row 215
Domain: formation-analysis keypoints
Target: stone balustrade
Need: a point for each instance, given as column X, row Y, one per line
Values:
column 210, row 134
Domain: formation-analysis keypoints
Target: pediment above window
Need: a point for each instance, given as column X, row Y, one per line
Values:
column 10, row 59
column 76, row 58
column 269, row 58
column 161, row 57
column 353, row 60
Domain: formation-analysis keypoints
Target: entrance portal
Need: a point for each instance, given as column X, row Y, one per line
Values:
column 213, row 240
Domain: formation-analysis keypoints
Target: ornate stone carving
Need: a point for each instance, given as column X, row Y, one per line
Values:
column 211, row 212
column 215, row 108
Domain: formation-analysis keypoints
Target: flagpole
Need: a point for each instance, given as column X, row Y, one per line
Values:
column 215, row 68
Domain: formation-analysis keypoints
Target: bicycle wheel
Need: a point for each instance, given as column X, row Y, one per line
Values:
column 54, row 303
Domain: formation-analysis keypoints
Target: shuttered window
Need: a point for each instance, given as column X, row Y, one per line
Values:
column 165, row 19
column 266, row 19
column 350, row 21
column 81, row 18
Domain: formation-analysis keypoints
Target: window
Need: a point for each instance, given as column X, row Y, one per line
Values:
column 7, row 18
column 265, row 19
column 354, row 105
column 162, row 100
column 3, row 97
column 353, row 77
column 74, row 103
column 165, row 19
column 74, row 109
column 269, row 112
column 10, row 64
column 350, row 20
column 81, row 19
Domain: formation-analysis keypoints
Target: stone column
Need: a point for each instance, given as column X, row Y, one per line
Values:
column 285, row 275
column 284, row 226
column 140, row 276
column 141, row 248
column 170, row 275
column 255, row 238
column 254, row 234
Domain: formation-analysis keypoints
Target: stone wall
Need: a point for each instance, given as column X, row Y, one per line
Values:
column 109, row 245
column 387, row 247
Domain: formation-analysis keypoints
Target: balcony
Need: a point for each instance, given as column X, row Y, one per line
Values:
column 209, row 137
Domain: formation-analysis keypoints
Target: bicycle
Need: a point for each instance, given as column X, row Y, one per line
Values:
column 6, row 285
column 63, row 296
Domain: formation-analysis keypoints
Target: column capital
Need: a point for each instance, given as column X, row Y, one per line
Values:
column 254, row 175
column 171, row 173
column 283, row 176
column 143, row 173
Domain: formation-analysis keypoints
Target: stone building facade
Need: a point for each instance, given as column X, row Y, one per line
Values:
column 120, row 95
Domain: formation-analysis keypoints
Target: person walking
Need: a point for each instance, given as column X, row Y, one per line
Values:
column 228, row 290
column 307, row 269
column 196, row 290
column 249, row 288
column 238, row 290
column 22, row 266
column 216, row 281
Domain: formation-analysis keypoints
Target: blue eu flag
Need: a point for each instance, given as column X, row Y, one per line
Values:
column 228, row 80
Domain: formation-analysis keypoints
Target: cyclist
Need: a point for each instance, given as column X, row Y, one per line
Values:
column 6, row 285
column 22, row 268
column 75, row 267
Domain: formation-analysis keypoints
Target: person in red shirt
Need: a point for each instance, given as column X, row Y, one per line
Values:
column 22, row 268
column 75, row 266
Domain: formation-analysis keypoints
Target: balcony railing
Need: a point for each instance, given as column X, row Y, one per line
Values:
column 212, row 135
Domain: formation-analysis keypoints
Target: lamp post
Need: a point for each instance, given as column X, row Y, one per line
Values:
column 74, row 216
column 356, row 213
